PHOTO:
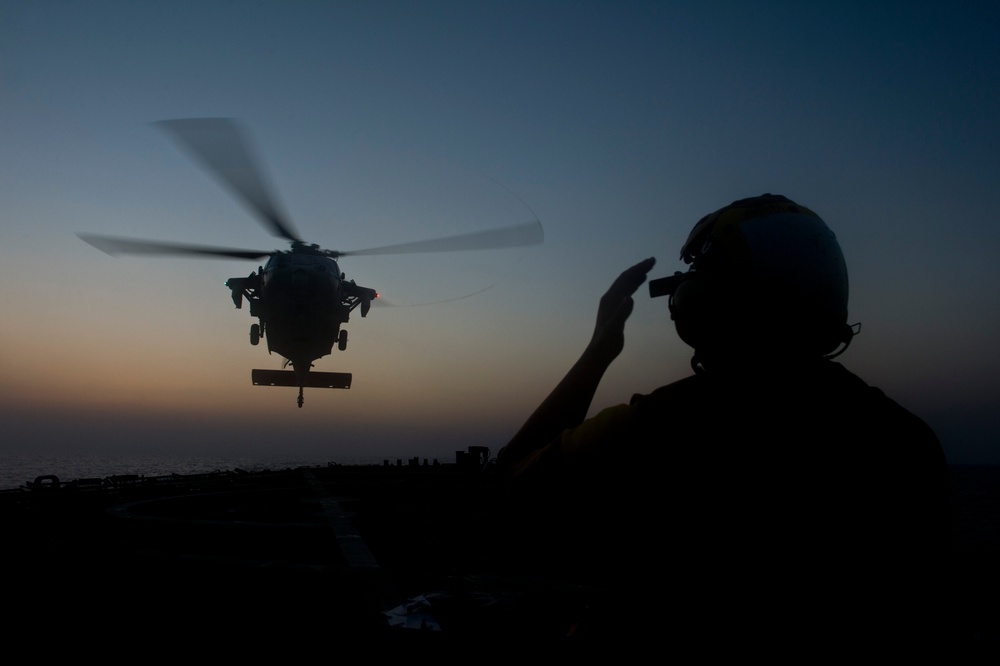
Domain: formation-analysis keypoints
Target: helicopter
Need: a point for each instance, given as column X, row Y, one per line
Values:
column 300, row 296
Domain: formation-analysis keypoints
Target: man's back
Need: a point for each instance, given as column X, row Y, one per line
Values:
column 812, row 477
column 758, row 504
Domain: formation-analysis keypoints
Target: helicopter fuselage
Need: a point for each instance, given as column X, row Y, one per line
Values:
column 301, row 299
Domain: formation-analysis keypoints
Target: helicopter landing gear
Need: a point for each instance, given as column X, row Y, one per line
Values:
column 342, row 340
column 254, row 334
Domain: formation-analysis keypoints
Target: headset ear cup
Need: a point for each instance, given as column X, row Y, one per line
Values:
column 689, row 305
column 677, row 299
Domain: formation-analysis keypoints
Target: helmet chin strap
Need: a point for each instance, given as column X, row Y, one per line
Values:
column 697, row 365
column 848, row 333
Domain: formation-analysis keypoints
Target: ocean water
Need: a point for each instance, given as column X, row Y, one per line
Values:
column 16, row 469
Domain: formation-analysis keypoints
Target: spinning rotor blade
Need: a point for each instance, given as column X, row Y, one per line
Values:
column 222, row 147
column 112, row 245
column 515, row 236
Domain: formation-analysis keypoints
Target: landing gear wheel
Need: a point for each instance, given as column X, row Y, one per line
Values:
column 254, row 334
column 342, row 340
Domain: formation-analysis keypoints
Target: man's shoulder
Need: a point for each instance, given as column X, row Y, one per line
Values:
column 856, row 389
column 818, row 391
column 683, row 390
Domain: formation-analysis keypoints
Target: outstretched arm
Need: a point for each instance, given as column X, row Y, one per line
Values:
column 568, row 403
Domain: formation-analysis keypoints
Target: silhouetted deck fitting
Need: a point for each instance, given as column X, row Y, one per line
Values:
column 476, row 457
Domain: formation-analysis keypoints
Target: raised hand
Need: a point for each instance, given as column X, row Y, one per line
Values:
column 616, row 306
column 566, row 406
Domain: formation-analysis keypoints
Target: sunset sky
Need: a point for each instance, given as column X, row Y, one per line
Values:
column 618, row 124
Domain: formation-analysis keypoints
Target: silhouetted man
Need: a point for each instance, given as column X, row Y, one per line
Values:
column 770, row 497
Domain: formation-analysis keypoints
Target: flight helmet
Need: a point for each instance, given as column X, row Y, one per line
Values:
column 765, row 275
